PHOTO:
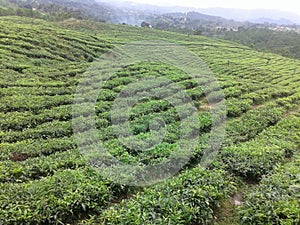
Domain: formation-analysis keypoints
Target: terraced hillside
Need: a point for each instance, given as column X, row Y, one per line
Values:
column 44, row 178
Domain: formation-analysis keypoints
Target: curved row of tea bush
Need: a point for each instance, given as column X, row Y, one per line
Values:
column 276, row 199
column 190, row 198
column 259, row 156
column 34, row 148
column 56, row 199
column 41, row 65
column 36, row 168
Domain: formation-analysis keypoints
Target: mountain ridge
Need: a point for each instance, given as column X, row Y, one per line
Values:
column 227, row 13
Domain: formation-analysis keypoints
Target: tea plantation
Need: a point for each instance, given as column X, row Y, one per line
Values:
column 45, row 179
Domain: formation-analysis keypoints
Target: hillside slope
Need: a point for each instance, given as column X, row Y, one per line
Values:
column 45, row 180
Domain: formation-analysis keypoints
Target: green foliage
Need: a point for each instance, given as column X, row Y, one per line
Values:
column 285, row 43
column 236, row 107
column 253, row 122
column 189, row 198
column 36, row 168
column 52, row 12
column 259, row 156
column 53, row 129
column 44, row 179
column 35, row 148
column 276, row 199
column 54, row 199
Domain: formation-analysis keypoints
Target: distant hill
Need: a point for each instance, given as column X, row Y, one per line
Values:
column 280, row 21
column 195, row 23
column 276, row 16
column 134, row 14
column 252, row 15
column 90, row 9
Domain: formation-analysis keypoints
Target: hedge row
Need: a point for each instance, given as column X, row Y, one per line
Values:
column 36, row 168
column 259, row 156
column 190, row 198
column 55, row 199
column 276, row 199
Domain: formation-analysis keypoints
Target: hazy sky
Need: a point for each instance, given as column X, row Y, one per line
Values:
column 286, row 5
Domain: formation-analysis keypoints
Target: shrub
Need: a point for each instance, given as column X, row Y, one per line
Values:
column 190, row 198
column 259, row 156
column 68, row 193
column 274, row 201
